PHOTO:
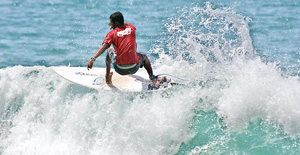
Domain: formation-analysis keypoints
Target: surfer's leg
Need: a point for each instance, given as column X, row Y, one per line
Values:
column 156, row 80
column 148, row 67
column 108, row 67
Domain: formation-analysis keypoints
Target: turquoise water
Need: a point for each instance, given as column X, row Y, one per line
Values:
column 240, row 60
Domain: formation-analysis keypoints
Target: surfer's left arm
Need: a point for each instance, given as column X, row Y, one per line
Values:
column 97, row 54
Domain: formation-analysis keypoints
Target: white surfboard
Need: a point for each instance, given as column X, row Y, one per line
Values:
column 95, row 78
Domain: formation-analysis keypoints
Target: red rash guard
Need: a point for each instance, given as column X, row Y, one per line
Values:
column 123, row 40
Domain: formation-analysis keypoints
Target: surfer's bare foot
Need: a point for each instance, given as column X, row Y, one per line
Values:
column 157, row 81
column 108, row 78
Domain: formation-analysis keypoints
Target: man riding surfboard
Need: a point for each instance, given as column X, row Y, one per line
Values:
column 123, row 55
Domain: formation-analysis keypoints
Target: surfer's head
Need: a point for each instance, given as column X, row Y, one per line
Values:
column 116, row 19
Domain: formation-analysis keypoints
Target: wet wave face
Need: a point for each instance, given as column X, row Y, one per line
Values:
column 244, row 97
column 232, row 101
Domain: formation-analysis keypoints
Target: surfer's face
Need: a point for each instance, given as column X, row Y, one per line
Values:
column 113, row 25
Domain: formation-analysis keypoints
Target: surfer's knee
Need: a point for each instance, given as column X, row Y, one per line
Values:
column 110, row 56
column 147, row 61
column 110, row 50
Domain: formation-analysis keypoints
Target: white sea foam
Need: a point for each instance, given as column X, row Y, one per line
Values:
column 258, row 91
column 57, row 117
column 218, row 52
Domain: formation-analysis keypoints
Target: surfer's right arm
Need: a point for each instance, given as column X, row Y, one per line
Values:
column 97, row 54
column 126, row 23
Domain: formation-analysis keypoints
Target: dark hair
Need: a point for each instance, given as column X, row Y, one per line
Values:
column 117, row 17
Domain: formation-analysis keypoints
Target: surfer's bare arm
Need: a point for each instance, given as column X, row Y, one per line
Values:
column 97, row 54
column 126, row 23
column 101, row 50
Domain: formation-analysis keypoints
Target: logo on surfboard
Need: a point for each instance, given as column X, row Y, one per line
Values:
column 98, row 81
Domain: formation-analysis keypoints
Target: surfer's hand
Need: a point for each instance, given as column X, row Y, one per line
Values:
column 90, row 64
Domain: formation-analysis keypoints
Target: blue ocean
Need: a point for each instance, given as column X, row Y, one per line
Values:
column 240, row 61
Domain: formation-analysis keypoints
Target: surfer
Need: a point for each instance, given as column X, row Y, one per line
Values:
column 123, row 55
